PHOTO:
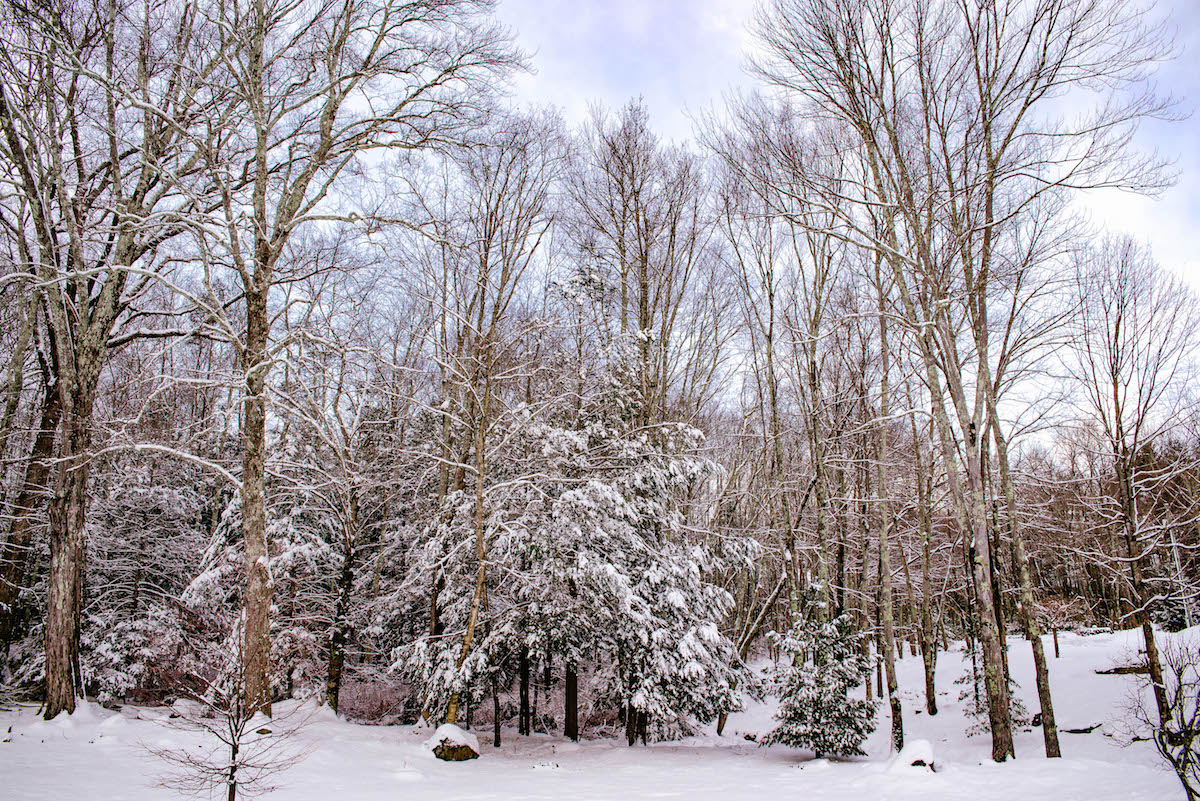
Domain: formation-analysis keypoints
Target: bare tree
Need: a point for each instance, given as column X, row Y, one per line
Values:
column 638, row 216
column 305, row 90
column 244, row 750
column 939, row 103
column 92, row 211
column 1175, row 727
column 1132, row 353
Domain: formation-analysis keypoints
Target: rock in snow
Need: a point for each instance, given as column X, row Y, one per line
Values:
column 453, row 744
column 915, row 754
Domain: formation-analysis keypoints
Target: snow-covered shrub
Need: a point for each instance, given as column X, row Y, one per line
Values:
column 146, row 536
column 122, row 656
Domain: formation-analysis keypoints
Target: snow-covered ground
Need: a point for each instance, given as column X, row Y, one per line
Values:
column 98, row 754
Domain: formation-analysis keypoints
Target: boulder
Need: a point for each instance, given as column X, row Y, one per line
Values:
column 452, row 744
column 915, row 754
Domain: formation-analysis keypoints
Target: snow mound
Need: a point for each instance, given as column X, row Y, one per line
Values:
column 113, row 723
column 323, row 712
column 86, row 712
column 450, row 734
column 915, row 754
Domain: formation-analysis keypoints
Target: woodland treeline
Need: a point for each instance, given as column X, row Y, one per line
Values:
column 330, row 372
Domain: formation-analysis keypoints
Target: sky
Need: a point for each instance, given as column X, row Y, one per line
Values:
column 681, row 56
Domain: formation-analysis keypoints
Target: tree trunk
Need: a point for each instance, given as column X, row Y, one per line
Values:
column 817, row 453
column 928, row 636
column 882, row 487
column 64, row 597
column 524, row 722
column 480, row 543
column 495, row 711
column 864, row 530
column 340, row 632
column 20, row 532
column 16, row 369
column 571, row 713
column 259, row 589
column 1025, row 608
column 1129, row 514
column 231, row 780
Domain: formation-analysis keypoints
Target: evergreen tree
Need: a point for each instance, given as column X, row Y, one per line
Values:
column 591, row 563
column 824, row 661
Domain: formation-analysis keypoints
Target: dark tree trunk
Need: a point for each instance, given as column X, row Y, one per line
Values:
column 231, row 781
column 495, row 712
column 524, row 726
column 16, row 546
column 259, row 589
column 571, row 718
column 340, row 634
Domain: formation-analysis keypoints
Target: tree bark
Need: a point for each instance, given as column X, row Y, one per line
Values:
column 16, row 546
column 524, row 722
column 259, row 587
column 882, row 487
column 64, row 597
column 1026, row 608
column 340, row 632
column 924, row 481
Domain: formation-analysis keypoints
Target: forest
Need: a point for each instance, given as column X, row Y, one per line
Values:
column 330, row 371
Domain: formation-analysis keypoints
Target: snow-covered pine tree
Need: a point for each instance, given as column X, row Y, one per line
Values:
column 822, row 663
column 643, row 589
column 591, row 564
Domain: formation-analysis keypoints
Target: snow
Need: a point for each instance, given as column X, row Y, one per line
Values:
column 97, row 753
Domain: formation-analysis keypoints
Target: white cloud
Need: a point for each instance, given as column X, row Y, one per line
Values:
column 674, row 53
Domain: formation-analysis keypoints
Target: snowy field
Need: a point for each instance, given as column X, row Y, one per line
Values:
column 99, row 754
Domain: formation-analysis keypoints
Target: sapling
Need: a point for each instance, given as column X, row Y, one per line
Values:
column 243, row 748
column 1176, row 734
column 824, row 661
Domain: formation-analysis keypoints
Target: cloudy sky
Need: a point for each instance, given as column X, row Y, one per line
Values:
column 681, row 55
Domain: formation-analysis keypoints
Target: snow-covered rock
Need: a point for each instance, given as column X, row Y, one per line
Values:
column 915, row 754
column 452, row 744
